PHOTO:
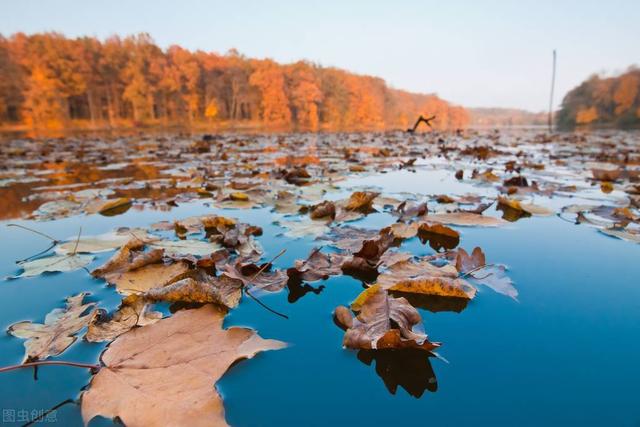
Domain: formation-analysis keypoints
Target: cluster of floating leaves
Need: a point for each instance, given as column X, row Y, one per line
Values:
column 213, row 260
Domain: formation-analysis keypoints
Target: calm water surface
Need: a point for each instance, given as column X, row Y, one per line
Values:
column 565, row 354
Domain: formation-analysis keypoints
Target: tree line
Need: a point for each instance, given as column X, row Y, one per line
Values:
column 49, row 81
column 598, row 101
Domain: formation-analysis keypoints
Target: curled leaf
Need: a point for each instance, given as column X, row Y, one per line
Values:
column 386, row 322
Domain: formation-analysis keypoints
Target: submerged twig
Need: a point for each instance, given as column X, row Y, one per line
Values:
column 246, row 291
column 268, row 264
column 54, row 242
column 263, row 268
column 53, row 245
column 75, row 247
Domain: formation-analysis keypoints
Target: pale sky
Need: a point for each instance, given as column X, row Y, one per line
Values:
column 474, row 53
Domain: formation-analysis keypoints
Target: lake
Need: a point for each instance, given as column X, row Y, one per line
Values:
column 565, row 352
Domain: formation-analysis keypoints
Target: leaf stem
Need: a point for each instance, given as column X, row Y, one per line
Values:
column 75, row 247
column 46, row 363
column 473, row 270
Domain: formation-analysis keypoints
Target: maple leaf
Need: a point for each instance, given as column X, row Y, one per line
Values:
column 164, row 373
column 133, row 270
column 53, row 264
column 100, row 243
column 57, row 332
column 133, row 311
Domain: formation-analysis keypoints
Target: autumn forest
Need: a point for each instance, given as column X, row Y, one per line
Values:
column 50, row 81
column 612, row 101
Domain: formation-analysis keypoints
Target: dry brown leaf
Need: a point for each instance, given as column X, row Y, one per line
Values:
column 58, row 331
column 424, row 278
column 385, row 322
column 606, row 174
column 286, row 203
column 259, row 276
column 164, row 374
column 100, row 243
column 439, row 236
column 466, row 219
column 222, row 290
column 53, row 264
column 465, row 262
column 133, row 270
column 147, row 277
column 524, row 207
column 109, row 207
column 401, row 230
column 326, row 209
column 305, row 228
column 361, row 201
column 318, row 266
column 133, row 311
column 343, row 317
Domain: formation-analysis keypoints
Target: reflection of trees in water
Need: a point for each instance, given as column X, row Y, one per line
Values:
column 14, row 203
column 20, row 199
column 407, row 368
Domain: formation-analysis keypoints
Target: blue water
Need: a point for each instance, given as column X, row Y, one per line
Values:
column 566, row 353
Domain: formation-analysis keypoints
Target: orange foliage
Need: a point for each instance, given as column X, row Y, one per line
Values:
column 587, row 115
column 48, row 81
column 612, row 101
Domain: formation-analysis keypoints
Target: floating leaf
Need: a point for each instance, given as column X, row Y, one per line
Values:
column 164, row 374
column 259, row 276
column 54, row 264
column 385, row 322
column 186, row 247
column 439, row 236
column 58, row 331
column 524, row 207
column 100, row 243
column 223, row 290
column 466, row 219
column 495, row 277
column 424, row 278
column 307, row 228
column 465, row 263
column 317, row 266
column 133, row 311
column 401, row 230
column 621, row 233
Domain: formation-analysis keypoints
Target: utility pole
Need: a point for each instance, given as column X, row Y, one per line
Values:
column 553, row 83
